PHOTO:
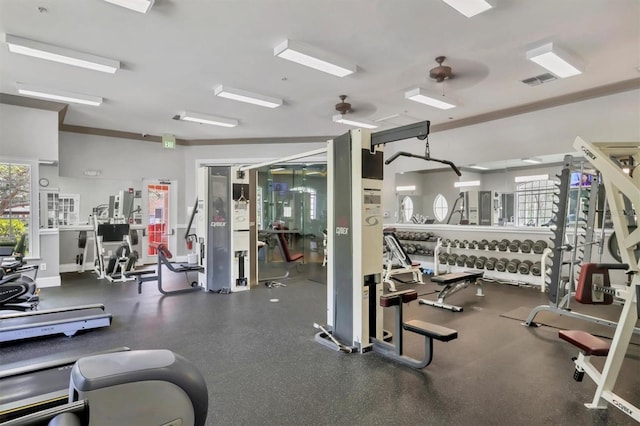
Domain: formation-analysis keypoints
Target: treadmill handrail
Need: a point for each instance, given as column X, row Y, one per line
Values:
column 52, row 310
column 45, row 365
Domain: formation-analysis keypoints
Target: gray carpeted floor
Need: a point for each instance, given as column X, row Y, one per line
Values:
column 262, row 365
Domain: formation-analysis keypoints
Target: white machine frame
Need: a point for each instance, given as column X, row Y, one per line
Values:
column 617, row 184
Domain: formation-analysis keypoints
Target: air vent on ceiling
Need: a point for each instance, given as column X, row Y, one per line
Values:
column 539, row 79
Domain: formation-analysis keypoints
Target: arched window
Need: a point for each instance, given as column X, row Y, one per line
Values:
column 407, row 209
column 440, row 207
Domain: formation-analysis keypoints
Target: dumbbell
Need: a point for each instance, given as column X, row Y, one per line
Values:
column 490, row 264
column 492, row 245
column 471, row 261
column 461, row 260
column 514, row 246
column 526, row 246
column 513, row 265
column 419, row 249
column 456, row 243
column 503, row 245
column 501, row 265
column 480, row 262
column 446, row 243
column 451, row 260
column 536, row 269
column 473, row 244
column 428, row 252
column 442, row 258
column 411, row 248
column 463, row 244
column 539, row 246
column 524, row 267
column 482, row 245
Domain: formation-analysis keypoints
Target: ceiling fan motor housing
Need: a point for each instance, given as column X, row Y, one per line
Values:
column 441, row 72
column 343, row 107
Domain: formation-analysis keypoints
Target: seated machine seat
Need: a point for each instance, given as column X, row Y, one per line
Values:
column 430, row 330
column 586, row 342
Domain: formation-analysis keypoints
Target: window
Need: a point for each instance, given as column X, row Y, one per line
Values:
column 17, row 204
column 534, row 202
column 440, row 207
column 406, row 208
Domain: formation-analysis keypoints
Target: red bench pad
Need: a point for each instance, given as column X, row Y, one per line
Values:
column 587, row 343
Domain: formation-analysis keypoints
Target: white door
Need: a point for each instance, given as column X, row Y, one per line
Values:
column 160, row 211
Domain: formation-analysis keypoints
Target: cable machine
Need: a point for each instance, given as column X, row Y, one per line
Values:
column 223, row 226
column 355, row 297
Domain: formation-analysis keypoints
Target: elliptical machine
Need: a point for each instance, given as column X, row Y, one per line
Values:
column 18, row 290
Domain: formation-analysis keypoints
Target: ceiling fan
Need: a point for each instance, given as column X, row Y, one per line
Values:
column 441, row 72
column 343, row 107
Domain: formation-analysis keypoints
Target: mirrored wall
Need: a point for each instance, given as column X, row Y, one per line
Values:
column 294, row 197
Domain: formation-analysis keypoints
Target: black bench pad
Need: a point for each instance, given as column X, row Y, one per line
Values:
column 393, row 299
column 586, row 342
column 433, row 331
column 139, row 273
column 456, row 277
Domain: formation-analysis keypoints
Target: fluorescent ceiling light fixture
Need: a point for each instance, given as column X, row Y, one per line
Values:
column 141, row 6
column 532, row 160
column 531, row 178
column 420, row 95
column 339, row 118
column 555, row 60
column 475, row 166
column 467, row 183
column 406, row 188
column 470, row 8
column 277, row 169
column 58, row 95
column 50, row 52
column 208, row 119
column 313, row 57
column 248, row 97
column 313, row 173
column 626, row 170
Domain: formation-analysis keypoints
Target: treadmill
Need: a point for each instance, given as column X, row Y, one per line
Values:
column 35, row 387
column 67, row 321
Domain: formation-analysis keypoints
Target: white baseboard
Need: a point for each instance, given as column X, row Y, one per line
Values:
column 70, row 267
column 49, row 281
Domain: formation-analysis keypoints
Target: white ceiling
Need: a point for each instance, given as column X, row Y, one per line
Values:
column 173, row 56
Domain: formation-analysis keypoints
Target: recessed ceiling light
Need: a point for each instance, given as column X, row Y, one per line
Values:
column 58, row 95
column 531, row 178
column 465, row 184
column 555, row 60
column 532, row 160
column 142, row 6
column 339, row 118
column 314, row 57
column 420, row 95
column 248, row 97
column 470, row 8
column 53, row 53
column 208, row 119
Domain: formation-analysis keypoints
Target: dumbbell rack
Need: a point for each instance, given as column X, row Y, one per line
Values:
column 457, row 248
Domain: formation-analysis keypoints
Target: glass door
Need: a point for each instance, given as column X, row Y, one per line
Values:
column 160, row 210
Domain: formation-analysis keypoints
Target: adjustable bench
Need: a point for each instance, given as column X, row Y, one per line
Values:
column 453, row 283
column 428, row 330
column 407, row 266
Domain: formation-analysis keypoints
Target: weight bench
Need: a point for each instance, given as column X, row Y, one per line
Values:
column 428, row 330
column 163, row 259
column 291, row 259
column 407, row 266
column 453, row 283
